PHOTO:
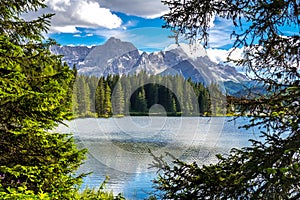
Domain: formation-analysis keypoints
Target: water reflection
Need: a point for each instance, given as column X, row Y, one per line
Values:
column 118, row 147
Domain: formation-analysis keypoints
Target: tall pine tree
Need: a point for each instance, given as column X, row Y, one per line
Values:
column 35, row 96
column 83, row 95
column 107, row 101
column 118, row 101
column 99, row 97
column 269, row 168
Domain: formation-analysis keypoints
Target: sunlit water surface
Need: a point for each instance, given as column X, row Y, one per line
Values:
column 119, row 147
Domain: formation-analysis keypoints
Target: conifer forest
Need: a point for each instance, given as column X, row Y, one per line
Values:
column 138, row 94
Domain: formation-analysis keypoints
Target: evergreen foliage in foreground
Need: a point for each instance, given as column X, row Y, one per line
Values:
column 35, row 96
column 269, row 169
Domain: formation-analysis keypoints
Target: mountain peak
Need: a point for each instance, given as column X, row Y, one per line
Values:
column 99, row 57
column 116, row 44
column 113, row 40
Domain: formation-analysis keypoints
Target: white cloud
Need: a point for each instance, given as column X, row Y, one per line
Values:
column 221, row 56
column 142, row 8
column 107, row 33
column 237, row 53
column 219, row 34
column 64, row 29
column 58, row 5
column 130, row 23
column 212, row 20
column 82, row 36
column 93, row 14
column 217, row 55
column 70, row 14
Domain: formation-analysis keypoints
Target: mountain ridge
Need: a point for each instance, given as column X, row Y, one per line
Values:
column 121, row 57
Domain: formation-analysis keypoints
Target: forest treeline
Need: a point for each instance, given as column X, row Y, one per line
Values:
column 139, row 94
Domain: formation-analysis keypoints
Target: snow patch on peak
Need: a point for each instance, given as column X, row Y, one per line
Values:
column 193, row 51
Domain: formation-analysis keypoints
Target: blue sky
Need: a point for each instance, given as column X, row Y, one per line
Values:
column 92, row 22
column 145, row 34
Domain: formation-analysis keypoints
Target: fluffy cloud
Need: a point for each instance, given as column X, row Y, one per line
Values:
column 70, row 14
column 217, row 55
column 73, row 13
column 58, row 5
column 221, row 55
column 64, row 29
column 141, row 8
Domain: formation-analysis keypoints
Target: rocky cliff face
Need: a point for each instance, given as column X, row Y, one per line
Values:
column 72, row 55
column 118, row 57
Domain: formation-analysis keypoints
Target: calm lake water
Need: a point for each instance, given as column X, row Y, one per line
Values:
column 118, row 147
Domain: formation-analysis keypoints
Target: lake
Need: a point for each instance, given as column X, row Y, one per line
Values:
column 118, row 147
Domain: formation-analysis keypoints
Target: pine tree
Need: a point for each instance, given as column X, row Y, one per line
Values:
column 126, row 85
column 107, row 101
column 118, row 101
column 188, row 104
column 203, row 100
column 152, row 91
column 93, row 83
column 217, row 100
column 35, row 96
column 83, row 95
column 141, row 102
column 269, row 168
column 99, row 97
column 75, row 99
column 167, row 95
column 178, row 83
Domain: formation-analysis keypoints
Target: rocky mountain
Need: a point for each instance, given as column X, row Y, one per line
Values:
column 119, row 57
column 72, row 54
